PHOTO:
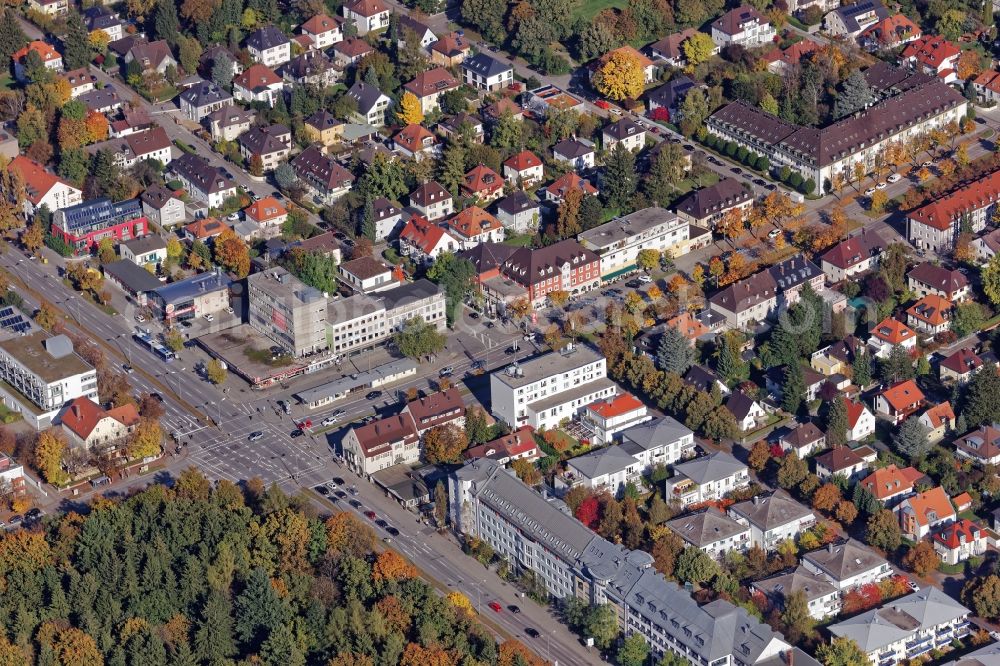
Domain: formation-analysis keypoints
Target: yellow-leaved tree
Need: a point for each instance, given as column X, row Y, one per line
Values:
column 620, row 77
column 49, row 450
column 409, row 109
column 144, row 442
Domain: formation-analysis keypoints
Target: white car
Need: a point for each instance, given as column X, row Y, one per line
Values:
column 209, row 317
column 881, row 186
column 230, row 310
column 870, row 191
column 645, row 279
column 233, row 217
column 774, row 233
column 328, row 421
column 894, row 178
column 927, row 164
column 139, row 318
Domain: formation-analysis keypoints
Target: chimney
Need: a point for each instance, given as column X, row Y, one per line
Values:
column 76, row 410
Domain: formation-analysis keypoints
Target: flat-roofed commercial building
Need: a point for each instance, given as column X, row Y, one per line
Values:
column 288, row 311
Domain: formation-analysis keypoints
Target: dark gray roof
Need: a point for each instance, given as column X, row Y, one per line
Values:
column 516, row 203
column 845, row 559
column 365, row 95
column 701, row 378
column 771, row 511
column 197, row 170
column 205, row 93
column 714, row 199
column 622, row 129
column 898, row 620
column 813, row 585
column 232, row 114
column 101, row 98
column 409, row 292
column 572, row 148
column 607, row 460
column 671, row 93
column 715, row 467
column 485, row 65
column 99, row 18
column 739, row 404
column 266, row 38
column 183, row 290
column 147, row 243
column 265, row 140
column 849, row 13
column 703, row 528
column 794, row 271
column 984, row 656
column 135, row 278
column 157, row 196
column 658, row 432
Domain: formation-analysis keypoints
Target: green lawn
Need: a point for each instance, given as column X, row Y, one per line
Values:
column 519, row 240
column 589, row 8
column 6, row 81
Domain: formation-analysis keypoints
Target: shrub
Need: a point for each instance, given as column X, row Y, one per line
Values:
column 731, row 148
column 809, row 186
column 741, row 154
column 796, row 180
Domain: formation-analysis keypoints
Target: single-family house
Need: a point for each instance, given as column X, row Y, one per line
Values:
column 577, row 153
column 928, row 278
column 844, row 461
column 162, row 206
column 203, row 99
column 415, row 141
column 749, row 413
column 897, row 402
column 424, row 241
column 931, row 314
column 482, row 184
column 959, row 541
column 939, row 420
column 484, row 72
column 152, row 56
column 890, row 484
column 432, row 201
column 473, row 226
column 428, row 87
column 919, row 514
column 854, row 256
column 981, row 445
column 848, row 564
column 202, row 180
column 270, row 144
column 519, row 212
column 325, row 178
column 372, row 104
column 804, row 440
column 258, row 83
column 367, row 15
column 624, row 132
column 323, row 30
column 860, row 420
column 744, row 26
column 524, row 168
column 90, row 427
column 959, row 366
column 43, row 188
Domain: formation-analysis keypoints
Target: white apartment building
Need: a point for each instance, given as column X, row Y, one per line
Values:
column 822, row 596
column 848, row 564
column 548, row 389
column 619, row 242
column 712, row 531
column 606, row 418
column 744, row 26
column 41, row 373
column 773, row 519
column 907, row 628
column 608, row 468
column 269, row 46
column 485, row 72
column 421, row 299
column 354, row 323
column 706, row 479
column 383, row 443
column 662, row 441
column 288, row 311
column 936, row 226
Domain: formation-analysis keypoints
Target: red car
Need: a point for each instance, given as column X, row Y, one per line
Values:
column 495, row 606
column 601, row 104
column 370, row 515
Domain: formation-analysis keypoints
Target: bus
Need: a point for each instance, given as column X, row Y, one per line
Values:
column 146, row 339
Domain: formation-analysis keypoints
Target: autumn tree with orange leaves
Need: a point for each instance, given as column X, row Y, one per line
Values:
column 416, row 655
column 513, row 653
column 390, row 566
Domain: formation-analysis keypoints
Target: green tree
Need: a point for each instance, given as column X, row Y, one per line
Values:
column 633, row 651
column 215, row 371
column 168, row 26
column 983, row 594
column 602, row 625
column 673, row 659
column 855, row 94
column 799, row 622
column 174, row 339
column 793, row 392
column 674, row 353
column 506, row 133
column 281, row 647
column 731, row 366
column 368, row 221
column 620, row 179
column 697, row 48
column 990, row 274
column 259, row 609
column 882, row 531
column 898, row 366
column 861, row 369
column 792, row 471
column 456, row 276
column 695, row 566
column 665, row 174
column 981, row 404
column 911, row 440
column 76, row 45
column 418, row 338
column 12, row 37
column 476, row 428
column 694, row 110
column 841, row 652
column 968, row 318
column 836, row 422
column 214, row 638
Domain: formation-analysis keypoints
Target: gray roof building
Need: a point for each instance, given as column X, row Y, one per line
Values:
column 134, row 279
column 768, row 512
column 653, row 433
column 813, row 585
column 266, row 38
column 144, row 244
column 715, row 467
column 705, row 527
column 517, row 203
column 984, row 656
column 485, row 65
column 367, row 96
column 189, row 287
column 606, row 460
column 572, row 149
column 715, row 199
column 204, row 94
column 845, row 560
column 794, row 272
column 624, row 228
column 672, row 93
column 849, row 14
column 550, row 365
column 408, row 292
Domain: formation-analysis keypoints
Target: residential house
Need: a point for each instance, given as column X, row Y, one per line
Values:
column 149, row 249
column 791, row 275
column 706, row 206
column 774, row 381
column 152, row 144
column 547, row 98
column 214, row 54
column 323, row 31
column 780, row 60
column 577, row 153
column 424, row 35
column 518, row 444
column 927, row 278
column 822, row 596
column 80, row 81
column 350, row 51
column 547, row 389
column 836, row 358
column 987, row 245
column 706, row 479
column 372, row 104
column 607, row 417
column 939, row 420
column 524, row 168
column 388, row 218
column 103, row 100
column 367, row 15
column 473, row 226
column 933, row 55
column 43, row 188
column 484, row 72
column 82, row 226
column 889, row 33
column 481, row 184
column 844, row 461
column 670, row 95
column 648, row 66
column 670, row 49
column 269, row 213
column 102, row 19
column 269, row 46
column 558, row 189
column 424, row 241
column 129, row 121
column 258, row 84
column 847, row 564
column 50, row 58
column 606, row 469
column 660, row 441
column 854, row 256
column 90, row 427
column 383, row 443
column 415, row 141
column 891, row 484
column 897, row 402
column 624, row 132
column 436, row 410
column 152, row 56
column 804, row 440
column 959, row 541
column 931, row 314
column 204, row 182
column 890, row 333
column 919, row 514
column 860, row 420
column 458, row 124
column 202, row 100
column 450, row 50
column 162, row 207
column 773, row 519
column 744, row 26
column 752, row 299
column 50, row 7
column 324, row 128
column 749, row 413
column 519, row 212
column 981, row 445
column 851, row 20
column 432, row 201
column 959, row 366
column 326, row 179
column 230, row 122
column 935, row 226
column 903, row 630
column 428, row 87
column 271, row 145
column 367, row 275
column 704, row 380
column 987, row 86
column 313, row 68
column 712, row 531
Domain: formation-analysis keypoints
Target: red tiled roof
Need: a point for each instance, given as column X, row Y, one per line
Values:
column 938, row 277
column 37, row 179
column 523, row 160
column 367, row 8
column 321, row 23
column 473, row 222
column 569, row 182
column 431, row 82
column 436, row 408
column 793, row 54
column 943, row 211
column 43, row 49
column 893, row 331
column 962, row 361
column 378, row 436
column 617, row 406
column 962, row 501
column 904, row 394
column 353, row 47
column 482, row 180
column 890, row 31
column 854, row 250
column 854, row 411
column 930, row 50
column 689, row 325
column 451, row 45
column 83, row 415
column 516, row 443
column 205, row 227
column 932, row 309
column 891, row 480
column 990, row 79
column 265, row 210
column 257, row 77
column 981, row 443
column 931, row 503
column 951, row 535
column 940, row 415
column 422, row 233
column 412, row 137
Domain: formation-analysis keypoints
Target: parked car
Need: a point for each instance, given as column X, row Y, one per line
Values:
column 339, row 481
column 139, row 318
column 392, row 530
column 870, row 191
column 495, row 606
column 446, row 371
column 881, row 185
column 298, row 432
column 373, row 395
column 894, row 178
column 645, row 279
column 370, row 515
column 209, row 317
column 532, row 633
column 322, row 490
column 774, row 233
column 255, row 436
column 355, row 503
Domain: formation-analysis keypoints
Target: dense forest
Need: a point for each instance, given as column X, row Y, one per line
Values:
column 196, row 574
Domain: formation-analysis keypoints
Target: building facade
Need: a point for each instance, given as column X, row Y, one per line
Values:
column 287, row 311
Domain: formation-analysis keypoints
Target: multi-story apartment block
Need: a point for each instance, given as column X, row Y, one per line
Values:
column 605, row 418
column 323, row 177
column 40, row 373
column 288, row 311
column 380, row 444
column 436, row 410
column 752, row 299
column 484, row 72
column 662, row 441
column 203, row 181
column 619, row 242
column 822, row 155
column 744, row 26
column 546, row 390
column 607, row 469
column 706, row 479
column 420, row 299
column 712, row 531
column 822, row 596
column 539, row 535
column 847, row 564
column 83, row 226
column 565, row 266
column 773, row 519
column 907, row 628
column 935, row 226
column 355, row 323
column 706, row 206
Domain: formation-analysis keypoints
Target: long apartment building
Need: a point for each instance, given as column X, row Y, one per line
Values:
column 550, row 388
column 936, row 226
column 539, row 535
column 41, row 373
column 920, row 105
